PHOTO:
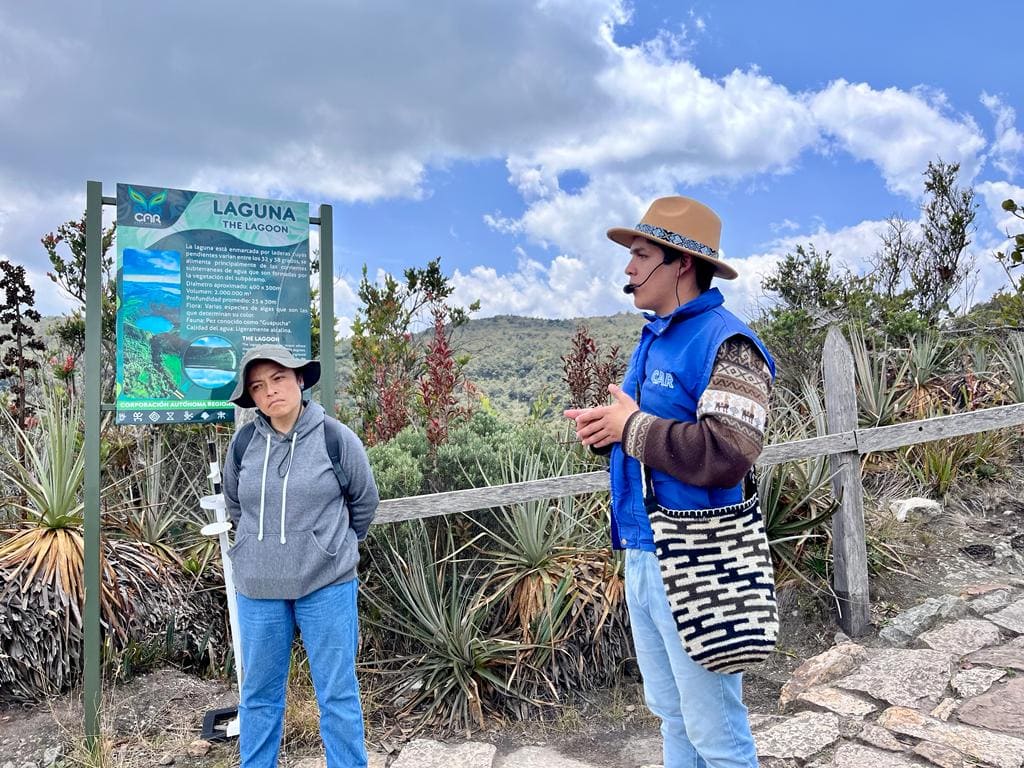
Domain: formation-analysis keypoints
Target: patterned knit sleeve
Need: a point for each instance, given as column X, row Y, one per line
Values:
column 717, row 450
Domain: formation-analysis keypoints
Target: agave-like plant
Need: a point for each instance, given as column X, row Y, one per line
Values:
column 795, row 496
column 927, row 360
column 159, row 492
column 1011, row 358
column 536, row 545
column 450, row 666
column 44, row 553
column 881, row 397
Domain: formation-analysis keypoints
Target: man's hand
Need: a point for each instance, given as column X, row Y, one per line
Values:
column 602, row 426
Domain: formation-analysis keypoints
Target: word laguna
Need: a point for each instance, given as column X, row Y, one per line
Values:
column 254, row 211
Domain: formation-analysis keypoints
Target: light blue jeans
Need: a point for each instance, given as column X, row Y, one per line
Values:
column 328, row 624
column 703, row 719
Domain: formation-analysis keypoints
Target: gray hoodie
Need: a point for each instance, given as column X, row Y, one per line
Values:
column 294, row 532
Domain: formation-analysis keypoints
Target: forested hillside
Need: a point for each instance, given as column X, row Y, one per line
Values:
column 516, row 361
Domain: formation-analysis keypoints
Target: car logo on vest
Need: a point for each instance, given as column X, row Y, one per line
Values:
column 662, row 379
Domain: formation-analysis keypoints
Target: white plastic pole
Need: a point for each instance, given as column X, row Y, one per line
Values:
column 220, row 528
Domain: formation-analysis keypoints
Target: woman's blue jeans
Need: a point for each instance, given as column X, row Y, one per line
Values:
column 703, row 719
column 328, row 624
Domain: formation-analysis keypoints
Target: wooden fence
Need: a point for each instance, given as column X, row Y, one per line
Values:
column 845, row 443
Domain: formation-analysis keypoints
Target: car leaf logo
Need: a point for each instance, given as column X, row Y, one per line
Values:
column 147, row 210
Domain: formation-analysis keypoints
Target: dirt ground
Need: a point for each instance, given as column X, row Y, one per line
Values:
column 156, row 718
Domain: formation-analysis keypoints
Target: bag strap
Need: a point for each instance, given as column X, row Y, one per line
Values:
column 332, row 437
column 651, row 502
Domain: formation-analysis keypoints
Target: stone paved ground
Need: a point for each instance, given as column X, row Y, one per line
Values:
column 942, row 684
column 948, row 694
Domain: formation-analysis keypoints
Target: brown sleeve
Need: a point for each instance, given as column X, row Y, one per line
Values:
column 717, row 450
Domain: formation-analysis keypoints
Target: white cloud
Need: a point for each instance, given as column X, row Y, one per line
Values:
column 899, row 132
column 374, row 108
column 1008, row 146
column 993, row 193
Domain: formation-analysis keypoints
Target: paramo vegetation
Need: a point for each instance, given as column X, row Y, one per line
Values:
column 508, row 611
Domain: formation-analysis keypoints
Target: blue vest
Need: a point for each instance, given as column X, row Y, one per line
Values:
column 670, row 370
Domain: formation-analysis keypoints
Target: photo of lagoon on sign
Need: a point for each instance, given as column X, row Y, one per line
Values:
column 149, row 318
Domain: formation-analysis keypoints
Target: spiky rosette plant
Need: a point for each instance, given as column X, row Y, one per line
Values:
column 42, row 581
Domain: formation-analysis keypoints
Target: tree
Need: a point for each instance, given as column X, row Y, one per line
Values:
column 809, row 296
column 66, row 249
column 17, row 312
column 389, row 367
column 1012, row 304
column 944, row 263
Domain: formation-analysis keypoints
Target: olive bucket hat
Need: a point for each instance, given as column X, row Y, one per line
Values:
column 275, row 353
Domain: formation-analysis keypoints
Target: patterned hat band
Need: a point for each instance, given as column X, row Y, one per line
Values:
column 671, row 237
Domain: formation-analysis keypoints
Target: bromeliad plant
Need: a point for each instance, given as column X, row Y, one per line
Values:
column 43, row 554
column 447, row 664
column 796, row 497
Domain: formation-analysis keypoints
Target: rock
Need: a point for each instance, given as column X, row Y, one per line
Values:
column 905, row 626
column 850, row 755
column 823, row 668
column 990, row 602
column 537, row 757
column 309, row 762
column 760, row 721
column 800, row 736
column 1011, row 617
column 1008, row 655
column 1001, row 709
column 996, row 749
column 906, row 678
column 879, row 737
column 925, row 507
column 977, row 590
column 166, row 759
column 51, row 755
column 1005, row 553
column 835, row 700
column 974, row 681
column 944, row 709
column 425, row 753
column 198, row 748
column 945, row 757
column 980, row 553
column 962, row 637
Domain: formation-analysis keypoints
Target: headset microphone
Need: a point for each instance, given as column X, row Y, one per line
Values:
column 631, row 287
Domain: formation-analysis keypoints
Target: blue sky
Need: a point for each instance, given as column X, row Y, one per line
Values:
column 506, row 137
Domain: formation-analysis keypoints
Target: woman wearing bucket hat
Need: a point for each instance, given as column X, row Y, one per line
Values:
column 300, row 492
column 681, row 434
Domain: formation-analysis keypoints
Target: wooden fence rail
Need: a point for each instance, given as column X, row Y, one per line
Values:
column 844, row 446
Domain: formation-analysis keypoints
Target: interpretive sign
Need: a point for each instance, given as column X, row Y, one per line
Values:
column 201, row 278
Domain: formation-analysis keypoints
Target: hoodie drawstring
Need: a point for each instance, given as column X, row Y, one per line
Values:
column 284, row 486
column 263, row 487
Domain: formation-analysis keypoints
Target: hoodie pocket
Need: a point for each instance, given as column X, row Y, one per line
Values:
column 288, row 571
column 321, row 548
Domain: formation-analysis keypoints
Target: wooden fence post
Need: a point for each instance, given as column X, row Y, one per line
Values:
column 849, row 550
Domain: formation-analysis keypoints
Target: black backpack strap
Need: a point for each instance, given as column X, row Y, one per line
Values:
column 242, row 439
column 333, row 438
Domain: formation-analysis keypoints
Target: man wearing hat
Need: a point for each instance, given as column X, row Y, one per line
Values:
column 690, row 415
column 298, row 519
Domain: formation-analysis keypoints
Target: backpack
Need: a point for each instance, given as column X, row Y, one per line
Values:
column 332, row 436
